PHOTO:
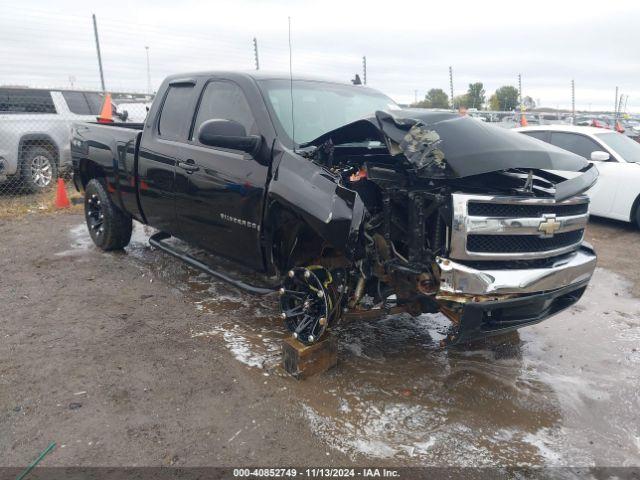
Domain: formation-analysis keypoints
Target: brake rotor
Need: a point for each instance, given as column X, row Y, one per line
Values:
column 306, row 302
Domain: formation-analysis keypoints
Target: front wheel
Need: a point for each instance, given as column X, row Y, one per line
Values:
column 110, row 228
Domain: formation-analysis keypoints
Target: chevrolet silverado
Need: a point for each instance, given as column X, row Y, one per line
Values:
column 349, row 207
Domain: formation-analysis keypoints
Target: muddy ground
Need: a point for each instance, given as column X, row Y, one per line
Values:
column 134, row 359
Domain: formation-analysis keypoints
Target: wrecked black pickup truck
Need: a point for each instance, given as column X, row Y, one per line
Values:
column 350, row 207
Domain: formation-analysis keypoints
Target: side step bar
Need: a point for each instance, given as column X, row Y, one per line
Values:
column 157, row 241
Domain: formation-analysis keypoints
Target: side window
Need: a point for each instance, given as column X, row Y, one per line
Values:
column 176, row 113
column 540, row 135
column 15, row 100
column 77, row 103
column 224, row 100
column 575, row 143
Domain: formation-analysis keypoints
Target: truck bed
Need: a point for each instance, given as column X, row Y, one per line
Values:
column 113, row 147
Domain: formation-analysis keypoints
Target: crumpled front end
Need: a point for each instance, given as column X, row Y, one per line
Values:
column 457, row 216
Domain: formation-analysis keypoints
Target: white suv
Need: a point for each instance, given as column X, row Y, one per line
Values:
column 35, row 128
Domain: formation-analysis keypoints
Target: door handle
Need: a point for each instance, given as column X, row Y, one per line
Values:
column 190, row 166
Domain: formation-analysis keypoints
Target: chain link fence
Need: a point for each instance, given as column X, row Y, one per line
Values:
column 35, row 131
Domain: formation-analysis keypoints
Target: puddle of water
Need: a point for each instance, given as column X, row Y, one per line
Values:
column 80, row 241
column 565, row 392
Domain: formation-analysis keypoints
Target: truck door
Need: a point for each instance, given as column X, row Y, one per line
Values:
column 163, row 139
column 220, row 191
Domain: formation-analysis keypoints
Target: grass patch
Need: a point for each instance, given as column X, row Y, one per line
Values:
column 17, row 204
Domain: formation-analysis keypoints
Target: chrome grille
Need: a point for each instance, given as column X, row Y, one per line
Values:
column 509, row 228
column 521, row 243
column 510, row 210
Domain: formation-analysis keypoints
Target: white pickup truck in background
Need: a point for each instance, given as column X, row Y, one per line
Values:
column 35, row 126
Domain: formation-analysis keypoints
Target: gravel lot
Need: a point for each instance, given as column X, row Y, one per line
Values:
column 134, row 359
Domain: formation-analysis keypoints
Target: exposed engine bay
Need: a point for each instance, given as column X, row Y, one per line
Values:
column 459, row 218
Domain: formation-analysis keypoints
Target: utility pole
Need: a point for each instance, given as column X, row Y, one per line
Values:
column 520, row 90
column 255, row 52
column 615, row 106
column 573, row 99
column 453, row 107
column 364, row 69
column 95, row 31
column 148, row 71
column 620, row 104
column 625, row 103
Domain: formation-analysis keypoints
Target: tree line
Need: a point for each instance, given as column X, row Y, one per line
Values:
column 505, row 99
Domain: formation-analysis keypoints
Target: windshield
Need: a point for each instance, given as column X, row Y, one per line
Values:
column 627, row 148
column 320, row 107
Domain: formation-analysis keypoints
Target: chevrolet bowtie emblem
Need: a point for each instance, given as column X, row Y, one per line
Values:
column 549, row 226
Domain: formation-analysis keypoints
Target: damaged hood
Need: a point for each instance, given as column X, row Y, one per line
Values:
column 447, row 145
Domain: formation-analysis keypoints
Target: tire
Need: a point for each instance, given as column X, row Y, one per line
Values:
column 110, row 228
column 39, row 169
column 636, row 216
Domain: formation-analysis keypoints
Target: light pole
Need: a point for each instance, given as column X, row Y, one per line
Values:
column 148, row 71
column 95, row 32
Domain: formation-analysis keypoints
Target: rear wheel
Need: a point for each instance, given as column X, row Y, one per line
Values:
column 110, row 228
column 39, row 169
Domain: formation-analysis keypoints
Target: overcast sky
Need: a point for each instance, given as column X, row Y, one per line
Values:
column 409, row 44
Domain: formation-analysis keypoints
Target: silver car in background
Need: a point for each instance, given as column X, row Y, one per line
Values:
column 35, row 126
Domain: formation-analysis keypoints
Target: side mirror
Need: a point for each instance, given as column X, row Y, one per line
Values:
column 600, row 156
column 230, row 134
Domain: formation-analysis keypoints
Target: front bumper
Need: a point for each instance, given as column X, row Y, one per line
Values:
column 479, row 320
column 491, row 302
column 459, row 279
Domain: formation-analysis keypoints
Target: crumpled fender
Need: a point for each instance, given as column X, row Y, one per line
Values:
column 332, row 211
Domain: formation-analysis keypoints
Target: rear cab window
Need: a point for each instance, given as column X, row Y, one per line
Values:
column 176, row 113
column 24, row 100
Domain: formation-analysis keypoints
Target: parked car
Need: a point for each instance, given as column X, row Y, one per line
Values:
column 617, row 192
column 591, row 121
column 35, row 128
column 349, row 207
column 550, row 119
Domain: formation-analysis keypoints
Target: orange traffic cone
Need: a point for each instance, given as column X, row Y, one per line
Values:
column 619, row 127
column 523, row 121
column 105, row 113
column 62, row 201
